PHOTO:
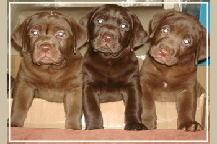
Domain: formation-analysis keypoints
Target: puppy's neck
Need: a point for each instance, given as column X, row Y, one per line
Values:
column 109, row 55
column 182, row 63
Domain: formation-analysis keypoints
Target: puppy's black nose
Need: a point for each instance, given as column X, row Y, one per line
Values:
column 108, row 37
column 45, row 47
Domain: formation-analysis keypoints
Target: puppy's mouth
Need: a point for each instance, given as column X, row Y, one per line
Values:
column 107, row 52
column 48, row 61
column 46, row 54
column 165, row 59
column 108, row 49
column 106, row 43
column 169, row 61
column 159, row 59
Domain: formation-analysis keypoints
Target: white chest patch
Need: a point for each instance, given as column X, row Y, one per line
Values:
column 164, row 84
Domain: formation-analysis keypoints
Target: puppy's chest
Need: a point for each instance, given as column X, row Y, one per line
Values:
column 161, row 84
column 110, row 77
column 165, row 82
column 112, row 71
column 53, row 95
column 53, row 87
column 166, row 87
column 165, row 79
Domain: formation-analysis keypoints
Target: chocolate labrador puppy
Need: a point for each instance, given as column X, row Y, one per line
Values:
column 110, row 68
column 51, row 66
column 169, row 72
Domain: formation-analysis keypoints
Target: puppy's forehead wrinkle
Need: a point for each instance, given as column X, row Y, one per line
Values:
column 179, row 31
column 61, row 21
column 117, row 14
column 182, row 23
column 50, row 27
column 113, row 13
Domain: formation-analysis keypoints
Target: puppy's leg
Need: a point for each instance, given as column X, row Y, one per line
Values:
column 73, row 109
column 186, row 107
column 91, row 107
column 149, row 117
column 132, row 101
column 23, row 95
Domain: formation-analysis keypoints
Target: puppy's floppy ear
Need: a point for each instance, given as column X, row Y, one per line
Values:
column 80, row 35
column 84, row 21
column 201, row 50
column 157, row 19
column 139, row 34
column 19, row 36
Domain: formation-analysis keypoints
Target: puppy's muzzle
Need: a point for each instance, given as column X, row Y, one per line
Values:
column 45, row 48
column 108, row 38
column 164, row 52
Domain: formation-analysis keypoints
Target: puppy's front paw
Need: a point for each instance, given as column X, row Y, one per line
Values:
column 191, row 126
column 13, row 125
column 93, row 127
column 135, row 126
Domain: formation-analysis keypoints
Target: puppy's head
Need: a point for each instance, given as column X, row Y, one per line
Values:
column 112, row 28
column 177, row 37
column 49, row 37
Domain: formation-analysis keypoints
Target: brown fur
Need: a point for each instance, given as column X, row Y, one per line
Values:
column 56, row 77
column 110, row 68
column 169, row 72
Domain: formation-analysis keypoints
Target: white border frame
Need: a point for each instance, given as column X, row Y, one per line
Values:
column 207, row 84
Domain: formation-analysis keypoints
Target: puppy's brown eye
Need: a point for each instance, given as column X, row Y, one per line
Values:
column 100, row 21
column 60, row 34
column 35, row 32
column 123, row 26
column 165, row 29
column 187, row 41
